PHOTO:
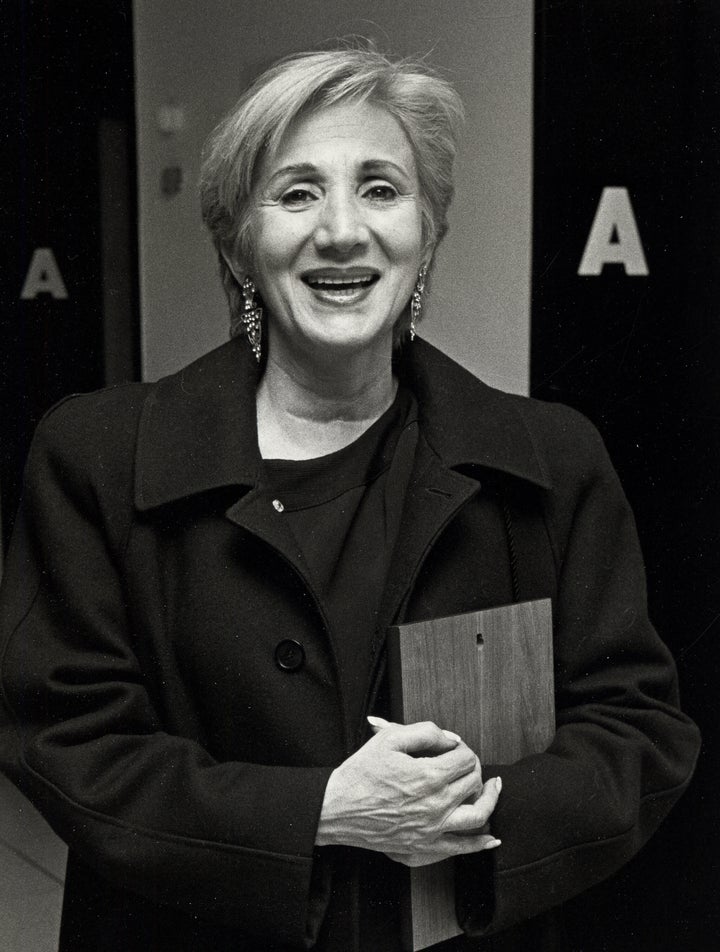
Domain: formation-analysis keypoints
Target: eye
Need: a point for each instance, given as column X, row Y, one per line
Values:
column 297, row 197
column 381, row 192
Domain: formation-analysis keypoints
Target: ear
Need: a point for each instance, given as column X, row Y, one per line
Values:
column 424, row 270
column 232, row 260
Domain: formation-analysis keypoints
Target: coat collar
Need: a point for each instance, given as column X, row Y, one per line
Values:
column 198, row 430
column 467, row 422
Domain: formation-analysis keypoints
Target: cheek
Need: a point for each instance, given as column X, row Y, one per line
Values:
column 406, row 257
column 405, row 240
column 271, row 252
column 276, row 244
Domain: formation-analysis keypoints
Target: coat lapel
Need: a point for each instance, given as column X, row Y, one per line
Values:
column 467, row 423
column 434, row 496
column 198, row 430
column 255, row 513
column 198, row 433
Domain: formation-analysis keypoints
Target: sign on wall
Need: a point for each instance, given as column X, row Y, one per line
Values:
column 65, row 71
column 626, row 285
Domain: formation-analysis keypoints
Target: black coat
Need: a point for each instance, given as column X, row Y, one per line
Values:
column 150, row 581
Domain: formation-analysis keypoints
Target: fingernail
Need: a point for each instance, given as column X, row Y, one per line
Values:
column 492, row 844
column 498, row 784
column 377, row 721
column 452, row 735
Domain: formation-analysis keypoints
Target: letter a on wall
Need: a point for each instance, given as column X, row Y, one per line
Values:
column 614, row 237
column 43, row 277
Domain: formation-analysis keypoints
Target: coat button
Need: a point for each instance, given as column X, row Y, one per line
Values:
column 289, row 655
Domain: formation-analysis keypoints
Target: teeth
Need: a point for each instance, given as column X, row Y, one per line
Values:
column 339, row 282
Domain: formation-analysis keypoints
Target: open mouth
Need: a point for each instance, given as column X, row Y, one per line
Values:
column 341, row 285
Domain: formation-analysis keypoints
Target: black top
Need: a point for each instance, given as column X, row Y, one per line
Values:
column 344, row 510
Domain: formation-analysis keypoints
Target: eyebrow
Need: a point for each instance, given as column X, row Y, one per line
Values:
column 381, row 165
column 302, row 168
column 368, row 166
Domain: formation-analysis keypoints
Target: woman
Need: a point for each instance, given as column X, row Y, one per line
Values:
column 204, row 568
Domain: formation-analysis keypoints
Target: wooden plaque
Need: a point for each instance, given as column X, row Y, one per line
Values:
column 488, row 676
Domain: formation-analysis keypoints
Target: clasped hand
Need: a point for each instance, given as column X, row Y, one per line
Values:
column 413, row 792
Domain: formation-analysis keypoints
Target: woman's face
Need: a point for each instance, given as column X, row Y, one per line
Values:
column 336, row 231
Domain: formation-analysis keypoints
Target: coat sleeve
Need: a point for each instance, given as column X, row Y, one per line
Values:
column 151, row 812
column 623, row 752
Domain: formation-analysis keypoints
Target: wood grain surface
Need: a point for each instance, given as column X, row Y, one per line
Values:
column 488, row 676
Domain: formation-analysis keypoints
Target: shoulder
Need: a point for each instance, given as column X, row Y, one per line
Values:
column 91, row 428
column 109, row 420
column 469, row 421
column 570, row 449
column 560, row 433
column 82, row 458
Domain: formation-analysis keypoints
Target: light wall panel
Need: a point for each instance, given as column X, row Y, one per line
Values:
column 197, row 58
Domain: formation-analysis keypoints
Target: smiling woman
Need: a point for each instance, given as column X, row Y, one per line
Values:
column 336, row 234
column 197, row 595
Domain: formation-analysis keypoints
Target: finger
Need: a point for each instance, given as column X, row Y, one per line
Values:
column 443, row 850
column 423, row 737
column 379, row 723
column 458, row 845
column 465, row 789
column 451, row 778
column 473, row 832
column 458, row 763
column 473, row 816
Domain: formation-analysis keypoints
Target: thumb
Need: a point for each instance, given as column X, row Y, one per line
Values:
column 423, row 737
column 379, row 723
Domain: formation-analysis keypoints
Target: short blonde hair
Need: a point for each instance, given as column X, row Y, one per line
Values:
column 426, row 106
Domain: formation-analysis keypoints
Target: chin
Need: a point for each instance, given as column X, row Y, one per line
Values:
column 347, row 336
column 356, row 343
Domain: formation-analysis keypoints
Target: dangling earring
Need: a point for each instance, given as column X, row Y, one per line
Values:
column 252, row 317
column 416, row 301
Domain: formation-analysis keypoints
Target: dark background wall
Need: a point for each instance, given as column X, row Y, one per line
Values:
column 67, row 108
column 66, row 128
column 628, row 95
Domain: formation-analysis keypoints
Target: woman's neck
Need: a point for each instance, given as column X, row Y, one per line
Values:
column 309, row 409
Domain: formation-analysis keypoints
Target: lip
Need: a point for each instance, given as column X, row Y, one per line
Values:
column 354, row 275
column 340, row 285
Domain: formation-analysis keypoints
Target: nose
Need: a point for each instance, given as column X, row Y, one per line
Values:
column 341, row 227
